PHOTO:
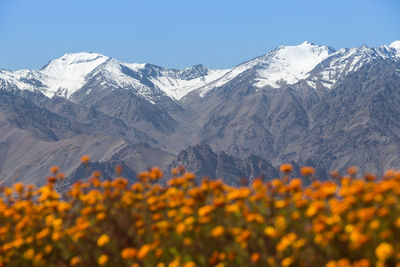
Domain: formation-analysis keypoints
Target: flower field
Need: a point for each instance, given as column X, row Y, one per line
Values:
column 348, row 221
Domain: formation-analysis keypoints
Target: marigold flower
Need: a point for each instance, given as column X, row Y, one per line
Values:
column 48, row 249
column 29, row 254
column 190, row 264
column 287, row 261
column 54, row 169
column 203, row 211
column 102, row 259
column 362, row 263
column 85, row 159
column 128, row 253
column 187, row 241
column 280, row 222
column 352, row 170
column 102, row 240
column 155, row 173
column 75, row 260
column 286, row 168
column 331, row 264
column 189, row 176
column 343, row 263
column 255, row 257
column 370, row 177
column 100, row 216
column 307, row 171
column 217, row 231
column 384, row 251
column 144, row 250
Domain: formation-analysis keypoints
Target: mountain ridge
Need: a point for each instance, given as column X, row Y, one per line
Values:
column 337, row 109
column 67, row 74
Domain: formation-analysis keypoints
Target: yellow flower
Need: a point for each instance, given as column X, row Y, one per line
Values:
column 102, row 240
column 102, row 259
column 217, row 231
column 383, row 251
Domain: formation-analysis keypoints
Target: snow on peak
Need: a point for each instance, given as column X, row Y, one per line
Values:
column 291, row 63
column 67, row 74
column 286, row 63
column 177, row 86
column 396, row 46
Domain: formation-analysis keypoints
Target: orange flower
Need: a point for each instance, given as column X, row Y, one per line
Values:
column 144, row 250
column 19, row 187
column 102, row 240
column 85, row 159
column 255, row 257
column 102, row 259
column 74, row 261
column 384, row 251
column 286, row 168
column 29, row 254
column 54, row 169
column 217, row 231
column 128, row 253
column 155, row 173
column 352, row 170
column 307, row 171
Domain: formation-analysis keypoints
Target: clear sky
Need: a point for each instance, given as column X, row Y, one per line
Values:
column 177, row 34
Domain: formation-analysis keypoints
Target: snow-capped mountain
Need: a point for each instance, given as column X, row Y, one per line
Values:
column 307, row 104
column 66, row 75
column 345, row 61
column 396, row 46
column 307, row 61
column 285, row 65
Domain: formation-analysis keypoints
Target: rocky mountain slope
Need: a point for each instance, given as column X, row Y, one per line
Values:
column 306, row 104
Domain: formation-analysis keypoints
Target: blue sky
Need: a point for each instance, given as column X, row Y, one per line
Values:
column 177, row 34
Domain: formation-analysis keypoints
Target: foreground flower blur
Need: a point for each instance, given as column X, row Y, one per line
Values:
column 346, row 222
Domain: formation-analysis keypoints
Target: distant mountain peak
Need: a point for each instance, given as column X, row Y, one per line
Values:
column 290, row 63
column 396, row 45
column 287, row 64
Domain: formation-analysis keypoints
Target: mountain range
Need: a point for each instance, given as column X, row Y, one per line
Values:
column 306, row 104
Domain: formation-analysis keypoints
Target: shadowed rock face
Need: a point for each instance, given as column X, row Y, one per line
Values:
column 204, row 162
column 345, row 112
